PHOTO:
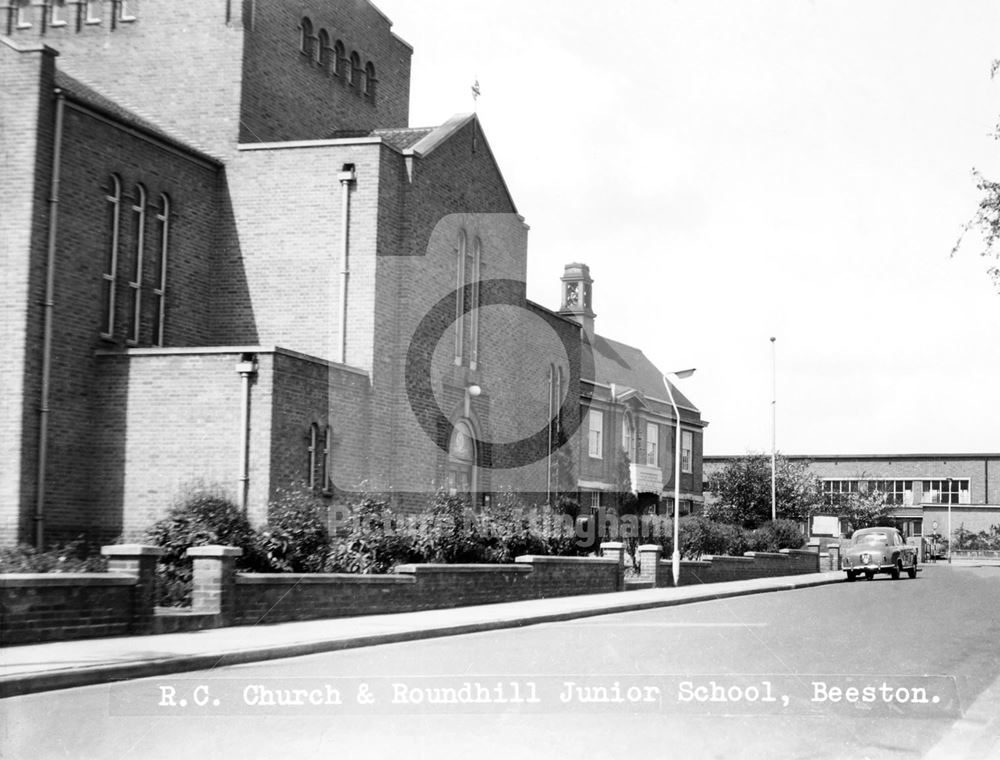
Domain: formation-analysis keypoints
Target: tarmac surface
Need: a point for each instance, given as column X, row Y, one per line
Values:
column 29, row 668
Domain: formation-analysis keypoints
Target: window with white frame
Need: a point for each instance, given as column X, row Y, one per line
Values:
column 135, row 284
column 652, row 444
column 469, row 261
column 160, row 269
column 628, row 436
column 22, row 14
column 57, row 12
column 92, row 11
column 125, row 10
column 687, row 451
column 595, row 433
column 113, row 198
column 946, row 491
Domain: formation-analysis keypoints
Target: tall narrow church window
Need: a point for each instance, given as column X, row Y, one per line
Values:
column 110, row 276
column 460, row 299
column 160, row 269
column 323, row 49
column 325, row 472
column 125, row 11
column 135, row 284
column 473, row 281
column 93, row 11
column 339, row 53
column 461, row 460
column 306, row 36
column 313, row 454
column 370, row 80
column 354, row 74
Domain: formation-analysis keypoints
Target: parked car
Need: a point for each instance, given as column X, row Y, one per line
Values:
column 879, row 550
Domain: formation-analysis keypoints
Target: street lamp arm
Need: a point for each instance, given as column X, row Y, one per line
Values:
column 676, row 557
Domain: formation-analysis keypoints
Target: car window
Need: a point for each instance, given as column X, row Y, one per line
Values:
column 872, row 538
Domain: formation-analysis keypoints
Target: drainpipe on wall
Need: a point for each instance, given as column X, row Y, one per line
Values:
column 246, row 368
column 48, row 306
column 347, row 177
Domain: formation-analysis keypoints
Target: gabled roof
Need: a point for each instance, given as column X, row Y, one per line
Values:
column 420, row 142
column 87, row 96
column 627, row 367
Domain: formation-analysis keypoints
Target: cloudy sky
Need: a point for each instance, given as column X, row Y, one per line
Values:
column 736, row 170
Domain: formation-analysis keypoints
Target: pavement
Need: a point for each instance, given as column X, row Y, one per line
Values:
column 33, row 668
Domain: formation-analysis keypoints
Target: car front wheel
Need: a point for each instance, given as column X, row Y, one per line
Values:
column 896, row 570
column 911, row 571
column 851, row 577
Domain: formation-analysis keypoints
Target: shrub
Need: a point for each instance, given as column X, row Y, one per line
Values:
column 295, row 539
column 375, row 542
column 77, row 556
column 203, row 517
column 777, row 534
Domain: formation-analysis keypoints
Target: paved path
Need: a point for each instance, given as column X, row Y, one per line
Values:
column 41, row 667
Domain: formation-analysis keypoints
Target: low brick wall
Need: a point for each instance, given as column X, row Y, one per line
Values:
column 48, row 607
column 657, row 572
column 39, row 607
column 279, row 597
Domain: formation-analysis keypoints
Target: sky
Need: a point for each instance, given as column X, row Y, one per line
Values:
column 733, row 171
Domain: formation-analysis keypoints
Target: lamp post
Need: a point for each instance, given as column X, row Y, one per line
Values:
column 676, row 558
column 774, row 413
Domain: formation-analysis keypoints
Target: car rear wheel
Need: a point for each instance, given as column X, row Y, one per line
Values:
column 869, row 574
column 896, row 570
column 851, row 576
column 911, row 571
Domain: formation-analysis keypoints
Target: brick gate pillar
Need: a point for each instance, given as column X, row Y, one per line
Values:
column 139, row 561
column 214, row 580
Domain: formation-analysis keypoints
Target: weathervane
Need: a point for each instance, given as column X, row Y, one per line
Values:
column 475, row 110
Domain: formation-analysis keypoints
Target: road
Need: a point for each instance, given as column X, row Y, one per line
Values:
column 873, row 669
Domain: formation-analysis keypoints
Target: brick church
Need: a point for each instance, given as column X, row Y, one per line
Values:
column 229, row 260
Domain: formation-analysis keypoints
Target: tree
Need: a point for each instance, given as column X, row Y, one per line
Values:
column 742, row 491
column 864, row 509
column 987, row 216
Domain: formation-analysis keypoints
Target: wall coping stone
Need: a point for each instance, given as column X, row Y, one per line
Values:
column 462, row 568
column 542, row 559
column 767, row 555
column 37, row 580
column 132, row 550
column 724, row 558
column 801, row 552
column 311, row 579
column 215, row 551
column 650, row 547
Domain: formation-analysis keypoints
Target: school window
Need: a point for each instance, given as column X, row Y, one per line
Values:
column 135, row 284
column 946, row 491
column 652, row 444
column 628, row 436
column 113, row 198
column 125, row 10
column 160, row 270
column 687, row 447
column 93, row 11
column 596, row 434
